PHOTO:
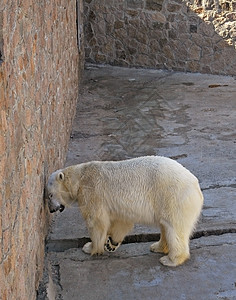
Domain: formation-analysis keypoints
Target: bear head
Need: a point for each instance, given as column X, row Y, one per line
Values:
column 57, row 192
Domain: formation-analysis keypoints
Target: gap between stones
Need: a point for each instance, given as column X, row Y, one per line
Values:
column 218, row 186
column 66, row 244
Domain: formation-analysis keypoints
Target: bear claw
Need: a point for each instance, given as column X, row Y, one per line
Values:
column 110, row 246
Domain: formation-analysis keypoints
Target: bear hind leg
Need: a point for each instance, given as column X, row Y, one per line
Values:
column 160, row 246
column 178, row 245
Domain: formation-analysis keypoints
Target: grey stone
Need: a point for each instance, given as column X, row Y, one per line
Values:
column 173, row 8
column 154, row 4
column 135, row 4
column 133, row 272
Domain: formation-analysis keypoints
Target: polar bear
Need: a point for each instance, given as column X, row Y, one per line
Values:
column 115, row 195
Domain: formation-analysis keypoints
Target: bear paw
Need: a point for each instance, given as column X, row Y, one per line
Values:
column 165, row 260
column 179, row 260
column 87, row 248
column 159, row 248
column 111, row 246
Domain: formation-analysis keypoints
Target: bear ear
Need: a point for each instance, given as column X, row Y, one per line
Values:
column 60, row 176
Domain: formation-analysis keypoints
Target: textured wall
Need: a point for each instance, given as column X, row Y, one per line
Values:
column 183, row 35
column 38, row 93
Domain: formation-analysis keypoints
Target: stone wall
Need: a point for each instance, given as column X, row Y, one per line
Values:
column 38, row 92
column 182, row 35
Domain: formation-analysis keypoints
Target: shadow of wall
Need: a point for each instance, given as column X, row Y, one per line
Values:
column 180, row 35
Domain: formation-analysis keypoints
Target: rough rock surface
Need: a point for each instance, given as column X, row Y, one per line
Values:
column 181, row 35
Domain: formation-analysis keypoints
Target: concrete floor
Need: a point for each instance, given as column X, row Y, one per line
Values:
column 124, row 113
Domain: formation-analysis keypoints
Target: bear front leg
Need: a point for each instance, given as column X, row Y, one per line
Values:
column 98, row 233
column 110, row 245
column 116, row 233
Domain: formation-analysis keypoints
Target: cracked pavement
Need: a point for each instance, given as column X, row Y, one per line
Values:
column 124, row 113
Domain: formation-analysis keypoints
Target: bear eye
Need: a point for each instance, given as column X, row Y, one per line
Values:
column 50, row 196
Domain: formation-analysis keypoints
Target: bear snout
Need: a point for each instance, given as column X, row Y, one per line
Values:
column 54, row 206
column 54, row 209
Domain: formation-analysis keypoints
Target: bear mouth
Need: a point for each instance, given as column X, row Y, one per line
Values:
column 62, row 207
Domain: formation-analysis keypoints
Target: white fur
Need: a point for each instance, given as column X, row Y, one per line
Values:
column 113, row 196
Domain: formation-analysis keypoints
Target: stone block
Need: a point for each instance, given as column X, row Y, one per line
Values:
column 100, row 58
column 134, row 4
column 193, row 28
column 193, row 66
column 173, row 8
column 157, row 25
column 132, row 50
column 132, row 13
column 194, row 53
column 154, row 4
column 168, row 52
column 158, row 17
column 118, row 24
